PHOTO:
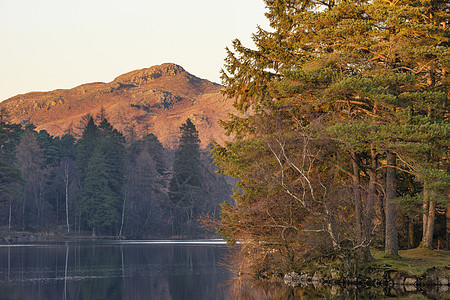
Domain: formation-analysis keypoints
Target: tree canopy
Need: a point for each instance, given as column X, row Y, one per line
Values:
column 342, row 97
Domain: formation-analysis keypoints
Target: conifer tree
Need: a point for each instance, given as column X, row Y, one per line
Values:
column 364, row 77
column 185, row 188
column 101, row 162
column 85, row 147
column 113, row 147
column 98, row 204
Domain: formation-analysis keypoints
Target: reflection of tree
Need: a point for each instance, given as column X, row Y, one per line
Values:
column 112, row 272
column 194, row 272
column 247, row 288
column 65, row 271
column 102, row 263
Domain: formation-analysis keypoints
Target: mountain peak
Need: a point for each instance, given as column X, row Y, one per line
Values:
column 156, row 99
column 146, row 75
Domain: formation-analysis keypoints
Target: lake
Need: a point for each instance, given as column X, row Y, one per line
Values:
column 114, row 270
column 153, row 270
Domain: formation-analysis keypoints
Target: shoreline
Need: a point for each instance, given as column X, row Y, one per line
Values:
column 389, row 278
column 29, row 237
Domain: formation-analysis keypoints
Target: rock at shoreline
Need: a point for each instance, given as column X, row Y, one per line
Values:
column 432, row 277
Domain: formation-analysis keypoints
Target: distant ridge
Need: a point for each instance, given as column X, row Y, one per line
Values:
column 156, row 99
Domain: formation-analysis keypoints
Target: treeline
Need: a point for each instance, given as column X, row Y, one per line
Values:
column 343, row 140
column 104, row 183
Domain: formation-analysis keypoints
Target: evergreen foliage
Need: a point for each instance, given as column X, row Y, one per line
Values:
column 98, row 204
column 101, row 163
column 10, row 175
column 354, row 81
column 185, row 187
column 97, row 184
column 85, row 147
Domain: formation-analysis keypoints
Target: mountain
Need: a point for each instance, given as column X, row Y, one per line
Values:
column 156, row 99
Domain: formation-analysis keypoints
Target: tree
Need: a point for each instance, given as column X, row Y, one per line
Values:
column 271, row 212
column 10, row 174
column 30, row 158
column 98, row 204
column 85, row 147
column 67, row 158
column 185, row 187
column 359, row 77
column 55, row 188
column 146, row 192
column 113, row 147
column 100, row 160
column 391, row 246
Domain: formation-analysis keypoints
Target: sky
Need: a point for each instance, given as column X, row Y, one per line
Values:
column 60, row 44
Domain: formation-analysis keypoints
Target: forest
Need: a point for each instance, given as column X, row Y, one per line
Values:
column 342, row 140
column 103, row 183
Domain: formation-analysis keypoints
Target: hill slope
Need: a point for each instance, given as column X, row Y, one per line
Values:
column 157, row 99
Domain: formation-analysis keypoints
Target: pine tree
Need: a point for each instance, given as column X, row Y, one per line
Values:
column 365, row 78
column 98, row 203
column 103, row 186
column 185, row 188
column 113, row 147
column 85, row 147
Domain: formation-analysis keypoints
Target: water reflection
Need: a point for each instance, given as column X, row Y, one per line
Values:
column 112, row 271
column 153, row 270
column 247, row 289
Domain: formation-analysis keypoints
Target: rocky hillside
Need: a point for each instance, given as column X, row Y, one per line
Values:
column 157, row 99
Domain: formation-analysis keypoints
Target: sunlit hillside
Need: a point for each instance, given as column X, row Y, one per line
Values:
column 157, row 99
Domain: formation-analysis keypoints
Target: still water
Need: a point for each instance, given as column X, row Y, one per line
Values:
column 154, row 270
column 114, row 270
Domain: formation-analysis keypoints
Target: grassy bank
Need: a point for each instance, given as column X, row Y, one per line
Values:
column 413, row 261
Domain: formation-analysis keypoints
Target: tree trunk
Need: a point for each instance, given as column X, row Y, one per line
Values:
column 391, row 245
column 10, row 212
column 357, row 201
column 23, row 212
column 424, row 214
column 430, row 224
column 66, row 181
column 428, row 218
column 448, row 219
column 411, row 234
column 381, row 202
column 123, row 216
column 330, row 228
column 370, row 200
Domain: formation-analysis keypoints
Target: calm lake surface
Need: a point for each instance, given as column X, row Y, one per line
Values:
column 114, row 270
column 153, row 270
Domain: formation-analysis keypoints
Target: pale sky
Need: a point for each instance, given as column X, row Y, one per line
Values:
column 53, row 44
